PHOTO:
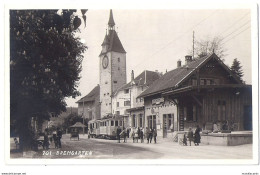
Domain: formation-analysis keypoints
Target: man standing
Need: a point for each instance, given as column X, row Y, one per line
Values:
column 147, row 134
column 118, row 131
column 154, row 135
column 59, row 136
column 151, row 135
column 142, row 136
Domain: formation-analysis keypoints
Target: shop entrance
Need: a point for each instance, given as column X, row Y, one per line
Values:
column 168, row 124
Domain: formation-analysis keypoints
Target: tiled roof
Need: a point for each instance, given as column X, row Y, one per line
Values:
column 91, row 96
column 175, row 77
column 140, row 80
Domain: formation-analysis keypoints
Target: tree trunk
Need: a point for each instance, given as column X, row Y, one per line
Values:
column 26, row 135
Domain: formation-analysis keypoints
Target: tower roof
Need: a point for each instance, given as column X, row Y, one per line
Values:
column 111, row 21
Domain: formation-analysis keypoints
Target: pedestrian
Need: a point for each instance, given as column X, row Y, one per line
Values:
column 154, row 135
column 197, row 136
column 133, row 135
column 128, row 132
column 225, row 126
column 142, row 136
column 125, row 135
column 215, row 127
column 45, row 140
column 138, row 133
column 54, row 136
column 118, row 131
column 190, row 135
column 150, row 135
column 59, row 136
column 147, row 131
column 184, row 142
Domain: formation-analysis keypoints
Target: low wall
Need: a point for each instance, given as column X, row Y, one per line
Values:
column 226, row 139
column 223, row 139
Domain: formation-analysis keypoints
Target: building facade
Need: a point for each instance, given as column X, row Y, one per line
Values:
column 205, row 92
column 89, row 105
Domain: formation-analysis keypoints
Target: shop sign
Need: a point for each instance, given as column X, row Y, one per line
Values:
column 158, row 101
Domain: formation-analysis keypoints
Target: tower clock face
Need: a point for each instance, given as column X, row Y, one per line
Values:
column 105, row 62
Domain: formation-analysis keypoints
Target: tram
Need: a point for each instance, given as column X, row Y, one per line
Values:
column 105, row 127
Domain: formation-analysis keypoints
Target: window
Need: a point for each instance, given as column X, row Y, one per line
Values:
column 127, row 103
column 194, row 82
column 120, row 123
column 118, row 59
column 152, row 121
column 104, row 94
column 118, row 68
column 107, row 93
column 136, row 100
column 106, row 82
column 140, row 120
column 116, row 123
column 118, row 112
column 115, row 82
column 126, row 91
column 112, row 122
column 201, row 81
column 133, row 120
column 117, row 104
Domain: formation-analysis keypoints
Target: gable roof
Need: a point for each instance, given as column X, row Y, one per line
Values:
column 91, row 96
column 146, row 78
column 174, row 78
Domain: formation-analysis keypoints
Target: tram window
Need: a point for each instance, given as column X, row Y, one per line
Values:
column 112, row 122
column 116, row 123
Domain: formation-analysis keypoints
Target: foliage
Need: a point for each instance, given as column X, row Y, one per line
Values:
column 71, row 119
column 45, row 62
column 236, row 68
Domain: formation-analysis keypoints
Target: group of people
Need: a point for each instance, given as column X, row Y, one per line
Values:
column 137, row 134
column 192, row 137
column 56, row 138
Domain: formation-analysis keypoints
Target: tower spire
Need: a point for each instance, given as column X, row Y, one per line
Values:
column 111, row 22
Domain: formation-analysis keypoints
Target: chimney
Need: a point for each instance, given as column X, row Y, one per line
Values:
column 132, row 76
column 188, row 59
column 178, row 63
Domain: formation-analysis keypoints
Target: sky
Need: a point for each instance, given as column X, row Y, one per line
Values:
column 157, row 39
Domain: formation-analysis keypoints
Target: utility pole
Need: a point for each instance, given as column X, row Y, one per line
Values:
column 193, row 46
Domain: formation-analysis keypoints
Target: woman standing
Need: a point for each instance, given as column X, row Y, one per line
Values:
column 197, row 136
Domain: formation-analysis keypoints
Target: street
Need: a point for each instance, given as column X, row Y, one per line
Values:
column 109, row 149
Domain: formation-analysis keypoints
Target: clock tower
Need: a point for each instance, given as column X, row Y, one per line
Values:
column 112, row 67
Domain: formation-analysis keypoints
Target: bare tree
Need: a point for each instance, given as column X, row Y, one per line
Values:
column 208, row 46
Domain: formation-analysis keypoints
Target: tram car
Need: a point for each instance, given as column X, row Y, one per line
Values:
column 106, row 127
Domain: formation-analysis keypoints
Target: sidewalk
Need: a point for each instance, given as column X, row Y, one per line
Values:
column 174, row 150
